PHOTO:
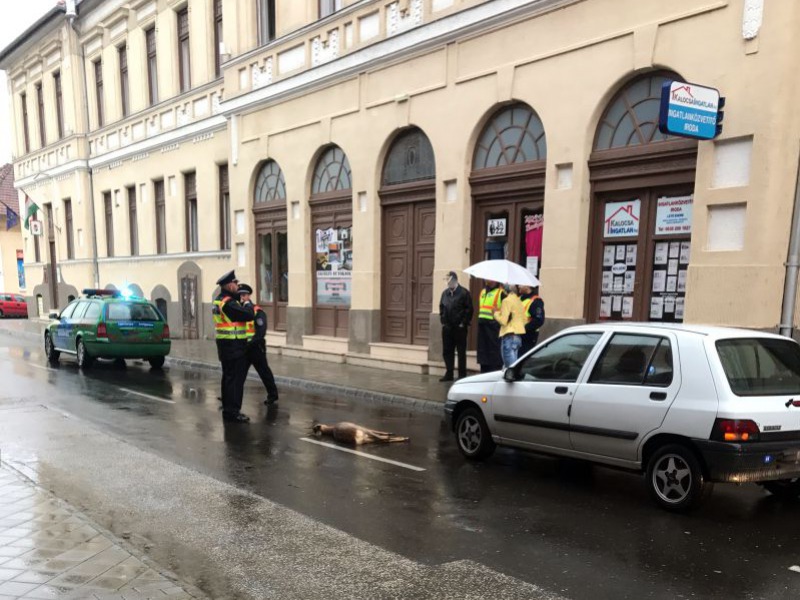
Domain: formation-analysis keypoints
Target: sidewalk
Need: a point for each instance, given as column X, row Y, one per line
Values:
column 421, row 392
column 50, row 550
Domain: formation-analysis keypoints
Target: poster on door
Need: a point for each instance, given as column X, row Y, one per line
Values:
column 668, row 283
column 622, row 219
column 617, row 281
column 674, row 215
column 334, row 263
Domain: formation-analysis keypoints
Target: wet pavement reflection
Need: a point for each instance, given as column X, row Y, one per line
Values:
column 581, row 531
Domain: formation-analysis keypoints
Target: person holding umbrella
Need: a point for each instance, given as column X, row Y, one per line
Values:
column 511, row 317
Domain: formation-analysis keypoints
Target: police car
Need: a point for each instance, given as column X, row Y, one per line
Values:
column 108, row 324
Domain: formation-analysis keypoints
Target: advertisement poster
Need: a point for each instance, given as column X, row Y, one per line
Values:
column 657, row 308
column 496, row 228
column 622, row 219
column 660, row 257
column 608, row 279
column 679, row 304
column 616, row 305
column 659, row 281
column 682, row 282
column 685, row 251
column 630, row 257
column 334, row 264
column 627, row 308
column 21, row 269
column 669, row 304
column 532, row 264
column 608, row 256
column 605, row 307
column 674, row 215
column 630, row 279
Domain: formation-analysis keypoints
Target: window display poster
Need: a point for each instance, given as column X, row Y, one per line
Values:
column 630, row 256
column 672, row 269
column 532, row 264
column 621, row 219
column 616, row 305
column 669, row 304
column 685, row 251
column 627, row 308
column 608, row 256
column 682, row 282
column 630, row 279
column 334, row 288
column 620, row 253
column 334, row 263
column 662, row 249
column 679, row 304
column 659, row 281
column 619, row 284
column 674, row 249
column 605, row 307
column 674, row 215
column 672, row 284
column 608, row 281
column 657, row 308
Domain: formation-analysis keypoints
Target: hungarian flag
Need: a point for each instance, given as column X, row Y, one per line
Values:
column 12, row 219
column 30, row 210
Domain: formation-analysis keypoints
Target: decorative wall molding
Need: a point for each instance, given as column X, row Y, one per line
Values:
column 752, row 18
column 323, row 51
column 398, row 20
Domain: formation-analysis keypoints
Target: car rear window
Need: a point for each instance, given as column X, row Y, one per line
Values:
column 131, row 311
column 761, row 366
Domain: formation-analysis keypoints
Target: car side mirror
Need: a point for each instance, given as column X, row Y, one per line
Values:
column 53, row 315
column 509, row 375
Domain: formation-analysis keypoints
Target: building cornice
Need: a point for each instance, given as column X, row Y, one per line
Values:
column 75, row 165
column 415, row 41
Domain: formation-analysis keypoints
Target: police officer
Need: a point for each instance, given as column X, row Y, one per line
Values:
column 490, row 358
column 534, row 313
column 230, row 326
column 257, row 344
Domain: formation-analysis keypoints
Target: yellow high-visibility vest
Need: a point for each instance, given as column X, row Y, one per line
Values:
column 251, row 325
column 489, row 302
column 526, row 304
column 224, row 328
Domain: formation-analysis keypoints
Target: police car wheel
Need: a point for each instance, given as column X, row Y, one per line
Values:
column 84, row 360
column 49, row 349
column 156, row 362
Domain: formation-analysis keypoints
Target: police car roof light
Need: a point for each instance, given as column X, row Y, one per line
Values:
column 96, row 292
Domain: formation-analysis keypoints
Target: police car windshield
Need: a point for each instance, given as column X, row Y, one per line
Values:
column 130, row 311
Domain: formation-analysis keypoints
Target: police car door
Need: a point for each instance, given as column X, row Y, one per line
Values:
column 61, row 335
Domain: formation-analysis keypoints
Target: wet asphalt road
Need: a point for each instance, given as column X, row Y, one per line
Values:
column 580, row 531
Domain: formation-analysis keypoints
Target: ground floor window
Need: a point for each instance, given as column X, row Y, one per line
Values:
column 513, row 232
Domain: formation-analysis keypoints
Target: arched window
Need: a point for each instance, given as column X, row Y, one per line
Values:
column 514, row 135
column 270, row 185
column 631, row 118
column 410, row 159
column 332, row 173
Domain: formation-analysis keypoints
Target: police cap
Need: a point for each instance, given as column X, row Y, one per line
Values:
column 245, row 289
column 229, row 277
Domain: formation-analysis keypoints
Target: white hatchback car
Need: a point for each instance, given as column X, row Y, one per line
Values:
column 687, row 405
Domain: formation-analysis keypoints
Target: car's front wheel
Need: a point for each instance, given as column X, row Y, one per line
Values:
column 156, row 362
column 50, row 349
column 473, row 435
column 675, row 478
column 84, row 359
column 783, row 488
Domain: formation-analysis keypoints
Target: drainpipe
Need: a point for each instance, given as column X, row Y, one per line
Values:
column 71, row 15
column 792, row 265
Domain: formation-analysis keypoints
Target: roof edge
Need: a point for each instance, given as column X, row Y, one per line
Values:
column 48, row 17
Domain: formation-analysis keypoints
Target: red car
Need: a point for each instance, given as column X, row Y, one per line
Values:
column 13, row 305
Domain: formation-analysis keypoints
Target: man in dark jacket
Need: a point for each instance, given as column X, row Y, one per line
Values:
column 534, row 311
column 455, row 312
column 257, row 345
column 230, row 327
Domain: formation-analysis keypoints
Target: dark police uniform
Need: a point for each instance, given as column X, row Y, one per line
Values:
column 230, row 325
column 534, row 311
column 257, row 347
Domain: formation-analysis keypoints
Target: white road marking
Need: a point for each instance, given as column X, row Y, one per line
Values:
column 40, row 367
column 148, row 396
column 362, row 454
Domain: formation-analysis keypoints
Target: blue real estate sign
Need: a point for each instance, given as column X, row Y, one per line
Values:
column 689, row 110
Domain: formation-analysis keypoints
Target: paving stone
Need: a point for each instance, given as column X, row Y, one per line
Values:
column 11, row 588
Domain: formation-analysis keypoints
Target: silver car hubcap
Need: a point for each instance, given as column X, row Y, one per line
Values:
column 48, row 346
column 80, row 353
column 469, row 434
column 672, row 478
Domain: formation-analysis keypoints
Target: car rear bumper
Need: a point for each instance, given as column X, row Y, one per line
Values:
column 757, row 461
column 107, row 350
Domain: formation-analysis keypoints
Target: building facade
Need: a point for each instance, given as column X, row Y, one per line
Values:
column 12, row 260
column 344, row 156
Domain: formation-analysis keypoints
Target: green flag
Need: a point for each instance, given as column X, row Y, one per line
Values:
column 30, row 210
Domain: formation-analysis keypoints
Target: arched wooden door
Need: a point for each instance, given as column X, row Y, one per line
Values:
column 272, row 250
column 408, row 205
column 332, row 242
column 642, row 196
column 507, row 183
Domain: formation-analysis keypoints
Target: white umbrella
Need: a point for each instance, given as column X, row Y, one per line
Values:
column 503, row 271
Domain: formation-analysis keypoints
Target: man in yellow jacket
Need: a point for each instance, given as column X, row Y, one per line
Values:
column 511, row 317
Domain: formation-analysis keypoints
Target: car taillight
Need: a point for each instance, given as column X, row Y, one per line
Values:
column 102, row 332
column 730, row 430
column 165, row 332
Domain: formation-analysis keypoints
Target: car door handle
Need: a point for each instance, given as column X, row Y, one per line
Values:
column 562, row 389
column 658, row 395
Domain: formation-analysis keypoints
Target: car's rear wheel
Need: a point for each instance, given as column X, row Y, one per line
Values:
column 783, row 488
column 675, row 478
column 84, row 359
column 156, row 362
column 50, row 350
column 473, row 435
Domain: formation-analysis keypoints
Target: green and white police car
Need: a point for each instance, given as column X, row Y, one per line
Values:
column 108, row 324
